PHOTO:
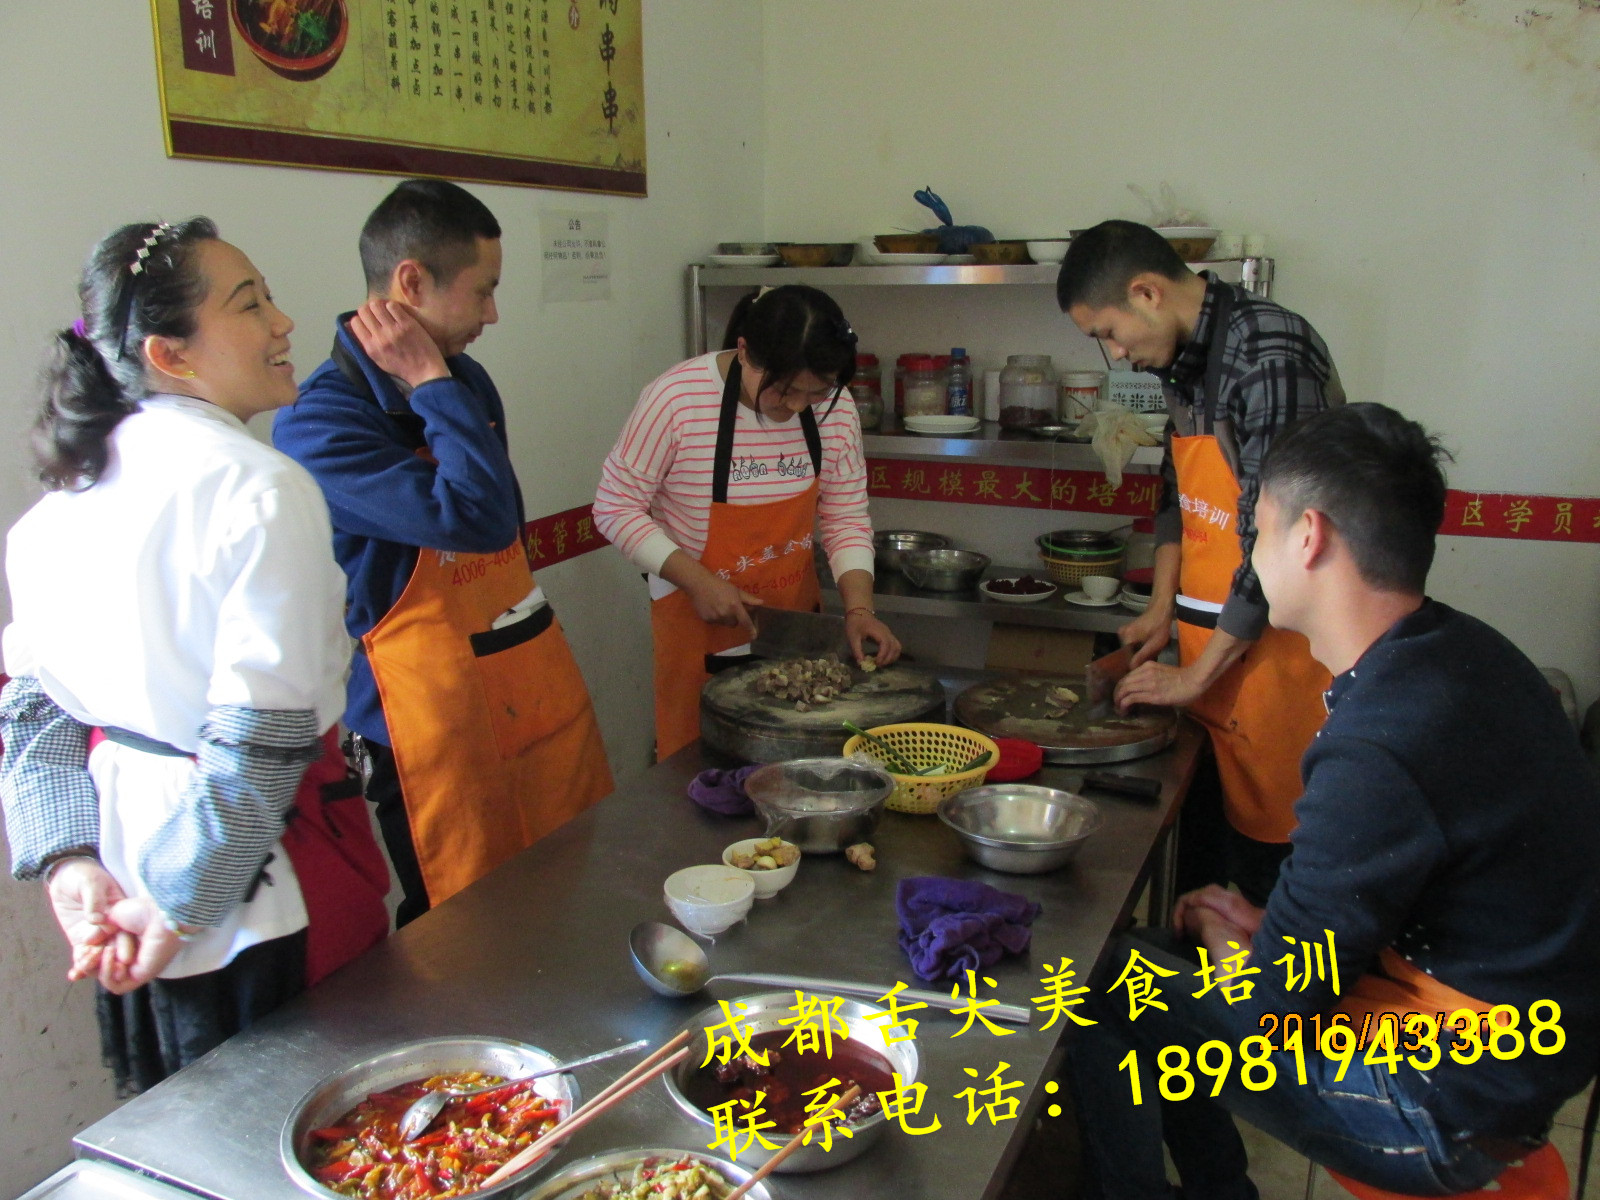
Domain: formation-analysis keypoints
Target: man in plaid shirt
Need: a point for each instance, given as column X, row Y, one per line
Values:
column 1236, row 369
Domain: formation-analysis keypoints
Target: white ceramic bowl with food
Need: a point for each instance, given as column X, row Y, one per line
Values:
column 769, row 881
column 709, row 899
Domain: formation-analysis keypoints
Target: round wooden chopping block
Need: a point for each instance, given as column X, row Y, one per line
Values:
column 738, row 720
column 1024, row 706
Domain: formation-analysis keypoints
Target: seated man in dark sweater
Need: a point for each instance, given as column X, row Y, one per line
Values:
column 1447, row 858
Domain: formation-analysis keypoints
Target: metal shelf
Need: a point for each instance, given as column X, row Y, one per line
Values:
column 892, row 592
column 994, row 446
column 1255, row 272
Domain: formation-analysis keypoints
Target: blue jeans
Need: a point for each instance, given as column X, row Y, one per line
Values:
column 1371, row 1126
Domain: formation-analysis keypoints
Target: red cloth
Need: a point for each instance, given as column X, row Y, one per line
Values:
column 1018, row 760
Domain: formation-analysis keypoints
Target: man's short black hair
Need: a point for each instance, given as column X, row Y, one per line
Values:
column 436, row 222
column 1102, row 262
column 1376, row 476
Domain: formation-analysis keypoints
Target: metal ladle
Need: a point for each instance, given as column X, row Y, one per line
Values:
column 672, row 964
column 426, row 1109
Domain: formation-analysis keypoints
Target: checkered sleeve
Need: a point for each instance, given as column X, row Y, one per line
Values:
column 204, row 858
column 1274, row 393
column 51, row 807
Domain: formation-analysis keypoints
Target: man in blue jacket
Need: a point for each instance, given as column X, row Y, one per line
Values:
column 1442, row 894
column 463, row 696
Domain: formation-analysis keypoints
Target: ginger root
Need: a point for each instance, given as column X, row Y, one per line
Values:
column 862, row 855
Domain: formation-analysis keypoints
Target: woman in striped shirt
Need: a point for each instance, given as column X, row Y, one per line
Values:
column 727, row 469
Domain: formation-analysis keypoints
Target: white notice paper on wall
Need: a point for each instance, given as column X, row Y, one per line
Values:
column 577, row 256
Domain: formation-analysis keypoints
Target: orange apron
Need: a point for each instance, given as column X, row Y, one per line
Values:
column 763, row 549
column 494, row 738
column 1264, row 711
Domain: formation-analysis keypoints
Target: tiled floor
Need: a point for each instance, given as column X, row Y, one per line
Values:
column 1048, row 1169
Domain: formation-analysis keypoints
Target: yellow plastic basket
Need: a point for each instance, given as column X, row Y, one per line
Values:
column 1074, row 573
column 923, row 745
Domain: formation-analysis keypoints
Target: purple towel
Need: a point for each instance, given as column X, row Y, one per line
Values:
column 723, row 791
column 951, row 926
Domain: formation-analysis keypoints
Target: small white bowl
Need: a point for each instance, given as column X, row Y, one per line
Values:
column 1100, row 587
column 1051, row 250
column 709, row 899
column 768, row 883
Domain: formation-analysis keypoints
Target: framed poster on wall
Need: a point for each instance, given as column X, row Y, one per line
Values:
column 544, row 93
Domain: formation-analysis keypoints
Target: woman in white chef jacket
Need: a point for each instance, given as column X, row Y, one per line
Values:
column 176, row 589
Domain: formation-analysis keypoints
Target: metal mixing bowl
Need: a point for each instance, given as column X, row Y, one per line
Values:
column 341, row 1091
column 944, row 570
column 618, row 1165
column 891, row 544
column 822, row 805
column 1020, row 828
column 767, row 1012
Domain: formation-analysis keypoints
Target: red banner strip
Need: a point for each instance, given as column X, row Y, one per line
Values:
column 566, row 535
column 561, row 536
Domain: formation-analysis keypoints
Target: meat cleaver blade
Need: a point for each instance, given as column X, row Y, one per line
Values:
column 783, row 633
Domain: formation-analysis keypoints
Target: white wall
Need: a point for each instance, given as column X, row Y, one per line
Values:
column 1425, row 171
column 82, row 152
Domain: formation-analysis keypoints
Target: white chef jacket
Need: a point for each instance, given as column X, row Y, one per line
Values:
column 196, row 573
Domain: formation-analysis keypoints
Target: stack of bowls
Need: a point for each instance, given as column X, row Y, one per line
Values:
column 1071, row 555
column 889, row 545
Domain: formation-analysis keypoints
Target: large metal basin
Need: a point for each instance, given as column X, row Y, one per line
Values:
column 338, row 1093
column 765, row 1013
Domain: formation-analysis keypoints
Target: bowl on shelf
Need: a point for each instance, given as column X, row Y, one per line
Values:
column 1192, row 242
column 1048, row 250
column 889, row 545
column 746, row 249
column 1017, row 589
column 708, row 899
column 1020, row 828
column 907, row 243
column 1001, row 254
column 816, row 254
column 944, row 570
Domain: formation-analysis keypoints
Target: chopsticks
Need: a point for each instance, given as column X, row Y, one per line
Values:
column 663, row 1060
column 771, row 1165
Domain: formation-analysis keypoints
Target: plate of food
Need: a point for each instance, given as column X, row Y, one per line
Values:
column 647, row 1173
column 1017, row 589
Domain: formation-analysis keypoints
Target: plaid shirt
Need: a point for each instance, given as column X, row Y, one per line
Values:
column 1275, row 370
column 207, row 854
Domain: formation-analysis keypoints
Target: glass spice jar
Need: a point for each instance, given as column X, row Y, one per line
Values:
column 867, row 390
column 1029, row 391
column 925, row 387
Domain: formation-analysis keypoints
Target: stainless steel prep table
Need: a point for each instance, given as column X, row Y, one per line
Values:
column 537, row 950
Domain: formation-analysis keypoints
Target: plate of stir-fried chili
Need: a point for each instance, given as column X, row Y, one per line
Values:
column 362, row 1154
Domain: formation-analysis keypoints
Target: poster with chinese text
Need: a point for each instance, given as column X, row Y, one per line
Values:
column 546, row 93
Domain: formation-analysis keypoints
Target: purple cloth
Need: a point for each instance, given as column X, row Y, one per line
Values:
column 723, row 791
column 77, row 328
column 951, row 926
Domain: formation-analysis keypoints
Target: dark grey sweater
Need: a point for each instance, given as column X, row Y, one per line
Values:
column 1449, row 812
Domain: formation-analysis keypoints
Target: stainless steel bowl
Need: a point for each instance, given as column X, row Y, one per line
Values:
column 341, row 1091
column 766, row 1012
column 1079, row 543
column 1020, row 828
column 822, row 805
column 616, row 1166
column 944, row 570
column 747, row 248
column 891, row 544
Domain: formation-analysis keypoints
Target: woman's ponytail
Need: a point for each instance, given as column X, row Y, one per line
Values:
column 141, row 281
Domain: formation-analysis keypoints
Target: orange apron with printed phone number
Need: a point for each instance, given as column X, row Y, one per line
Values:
column 494, row 737
column 763, row 549
column 1265, row 709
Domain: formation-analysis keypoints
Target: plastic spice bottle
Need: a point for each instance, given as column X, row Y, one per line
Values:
column 959, row 383
column 924, row 387
column 867, row 389
column 1028, row 391
column 1080, row 393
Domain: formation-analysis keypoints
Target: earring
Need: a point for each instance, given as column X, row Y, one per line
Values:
column 189, row 374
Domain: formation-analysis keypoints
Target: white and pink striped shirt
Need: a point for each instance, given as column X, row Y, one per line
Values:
column 655, row 487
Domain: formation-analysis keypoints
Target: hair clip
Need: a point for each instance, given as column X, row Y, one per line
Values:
column 765, row 288
column 137, row 265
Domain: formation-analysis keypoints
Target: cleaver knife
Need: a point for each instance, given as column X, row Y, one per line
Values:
column 784, row 633
column 1100, row 680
